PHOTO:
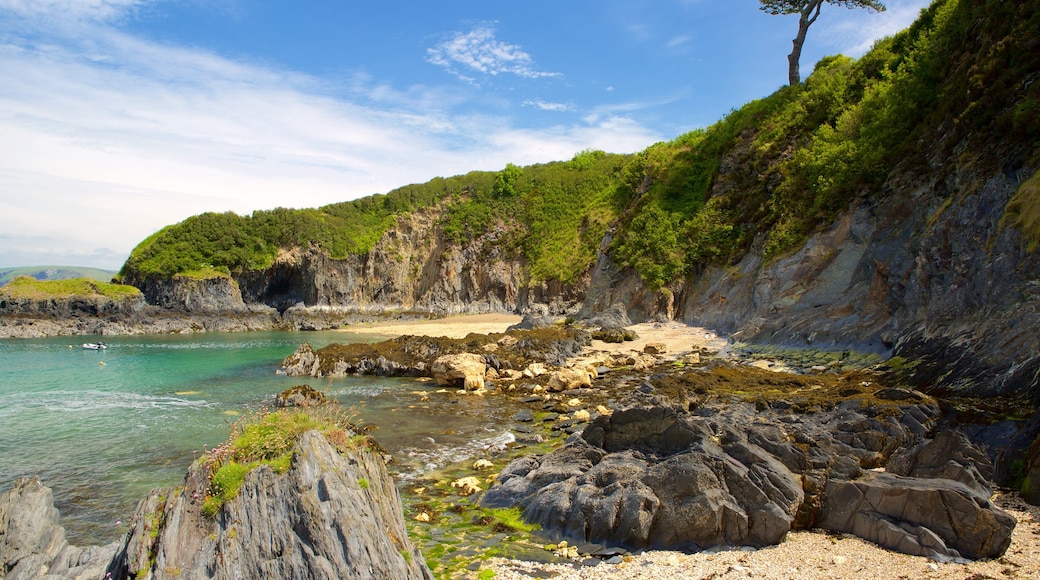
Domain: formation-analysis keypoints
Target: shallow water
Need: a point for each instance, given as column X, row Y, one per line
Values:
column 102, row 435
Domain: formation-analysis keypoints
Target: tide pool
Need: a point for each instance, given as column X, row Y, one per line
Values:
column 102, row 428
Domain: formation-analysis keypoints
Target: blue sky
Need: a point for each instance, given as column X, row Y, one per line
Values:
column 118, row 117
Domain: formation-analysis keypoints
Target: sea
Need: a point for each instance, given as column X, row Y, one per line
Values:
column 102, row 428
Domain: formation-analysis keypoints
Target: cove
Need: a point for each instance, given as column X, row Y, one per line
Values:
column 102, row 428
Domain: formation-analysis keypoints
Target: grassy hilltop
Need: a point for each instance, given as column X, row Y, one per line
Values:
column 954, row 90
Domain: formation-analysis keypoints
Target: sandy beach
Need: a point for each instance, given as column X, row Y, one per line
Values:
column 804, row 555
column 450, row 326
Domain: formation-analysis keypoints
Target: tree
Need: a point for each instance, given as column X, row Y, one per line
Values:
column 808, row 11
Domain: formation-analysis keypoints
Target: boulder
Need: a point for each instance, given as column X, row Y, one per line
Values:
column 464, row 370
column 614, row 317
column 655, row 348
column 936, row 518
column 300, row 396
column 569, row 378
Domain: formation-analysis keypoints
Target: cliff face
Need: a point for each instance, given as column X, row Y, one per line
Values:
column 928, row 273
column 413, row 267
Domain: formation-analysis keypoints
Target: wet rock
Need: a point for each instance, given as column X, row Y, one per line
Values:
column 302, row 363
column 300, row 396
column 523, row 416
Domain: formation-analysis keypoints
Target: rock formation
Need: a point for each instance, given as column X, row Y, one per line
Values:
column 731, row 474
column 32, row 541
column 329, row 516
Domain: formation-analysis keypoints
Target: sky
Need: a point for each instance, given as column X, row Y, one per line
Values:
column 119, row 117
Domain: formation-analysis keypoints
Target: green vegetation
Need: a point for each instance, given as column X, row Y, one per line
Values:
column 25, row 287
column 956, row 89
column 1024, row 212
column 267, row 438
column 55, row 273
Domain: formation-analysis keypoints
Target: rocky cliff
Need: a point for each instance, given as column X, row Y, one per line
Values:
column 413, row 267
column 329, row 516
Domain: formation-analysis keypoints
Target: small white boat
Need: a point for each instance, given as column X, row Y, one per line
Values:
column 95, row 346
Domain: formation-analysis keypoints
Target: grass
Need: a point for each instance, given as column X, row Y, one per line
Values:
column 26, row 287
column 1023, row 211
column 267, row 437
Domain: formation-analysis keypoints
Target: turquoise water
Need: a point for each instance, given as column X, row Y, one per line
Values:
column 102, row 435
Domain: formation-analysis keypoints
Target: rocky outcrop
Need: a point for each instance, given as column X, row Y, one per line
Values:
column 300, row 396
column 414, row 356
column 413, row 267
column 731, row 474
column 32, row 539
column 329, row 516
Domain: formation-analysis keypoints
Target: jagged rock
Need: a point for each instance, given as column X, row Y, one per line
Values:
column 734, row 474
column 32, row 541
column 329, row 516
column 303, row 362
column 300, row 396
column 936, row 518
column 950, row 455
column 569, row 378
column 460, row 370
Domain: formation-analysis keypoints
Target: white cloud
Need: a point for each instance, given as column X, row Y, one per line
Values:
column 478, row 50
column 106, row 139
column 547, row 106
column 72, row 10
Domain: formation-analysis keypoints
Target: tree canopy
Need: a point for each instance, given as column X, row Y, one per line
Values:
column 808, row 11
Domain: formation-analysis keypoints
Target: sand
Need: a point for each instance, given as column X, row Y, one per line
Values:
column 451, row 326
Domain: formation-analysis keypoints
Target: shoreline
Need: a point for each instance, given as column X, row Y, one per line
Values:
column 808, row 554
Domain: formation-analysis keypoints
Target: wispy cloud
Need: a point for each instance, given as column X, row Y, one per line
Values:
column 105, row 138
column 854, row 33
column 93, row 10
column 547, row 106
column 478, row 51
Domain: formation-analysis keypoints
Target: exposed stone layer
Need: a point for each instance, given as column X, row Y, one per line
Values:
column 731, row 474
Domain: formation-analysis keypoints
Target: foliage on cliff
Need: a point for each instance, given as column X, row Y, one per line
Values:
column 27, row 287
column 957, row 85
column 267, row 437
column 955, row 89
column 227, row 242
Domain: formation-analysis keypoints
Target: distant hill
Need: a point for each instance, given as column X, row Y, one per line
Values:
column 55, row 273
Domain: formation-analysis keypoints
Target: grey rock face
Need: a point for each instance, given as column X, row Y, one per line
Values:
column 937, row 518
column 329, row 516
column 663, row 477
column 32, row 541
